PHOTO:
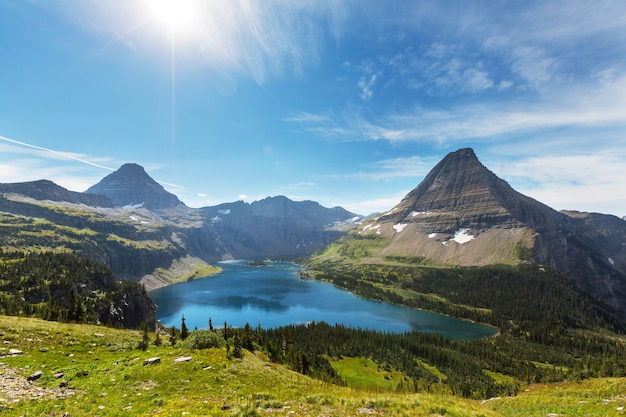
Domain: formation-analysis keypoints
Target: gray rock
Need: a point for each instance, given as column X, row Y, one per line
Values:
column 35, row 376
column 151, row 361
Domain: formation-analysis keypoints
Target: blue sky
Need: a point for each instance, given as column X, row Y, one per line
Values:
column 346, row 103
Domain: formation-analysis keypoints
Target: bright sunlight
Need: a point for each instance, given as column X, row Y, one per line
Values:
column 178, row 15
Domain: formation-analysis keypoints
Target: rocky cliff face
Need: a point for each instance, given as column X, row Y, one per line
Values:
column 275, row 226
column 462, row 213
column 459, row 192
column 132, row 186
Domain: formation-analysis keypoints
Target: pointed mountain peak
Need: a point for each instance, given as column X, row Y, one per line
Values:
column 461, row 192
column 133, row 170
column 130, row 185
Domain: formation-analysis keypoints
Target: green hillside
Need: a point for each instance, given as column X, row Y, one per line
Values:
column 103, row 373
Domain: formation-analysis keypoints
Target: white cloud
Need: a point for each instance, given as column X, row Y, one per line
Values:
column 394, row 168
column 260, row 40
column 243, row 197
column 366, row 85
column 475, row 80
column 375, row 205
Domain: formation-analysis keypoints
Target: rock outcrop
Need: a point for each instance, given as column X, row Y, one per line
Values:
column 130, row 185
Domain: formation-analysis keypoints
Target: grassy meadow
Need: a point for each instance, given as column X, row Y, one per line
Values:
column 105, row 375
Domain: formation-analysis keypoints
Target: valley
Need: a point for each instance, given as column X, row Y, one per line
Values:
column 462, row 244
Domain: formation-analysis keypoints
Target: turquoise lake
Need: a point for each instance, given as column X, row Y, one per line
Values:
column 274, row 295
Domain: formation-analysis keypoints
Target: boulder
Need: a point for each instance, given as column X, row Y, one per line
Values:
column 151, row 361
column 35, row 376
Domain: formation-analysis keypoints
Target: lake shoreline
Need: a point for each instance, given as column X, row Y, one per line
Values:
column 274, row 295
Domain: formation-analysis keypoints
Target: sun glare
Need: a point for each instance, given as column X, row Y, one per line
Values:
column 176, row 14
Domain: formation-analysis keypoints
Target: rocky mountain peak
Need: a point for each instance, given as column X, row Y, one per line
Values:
column 130, row 185
column 461, row 192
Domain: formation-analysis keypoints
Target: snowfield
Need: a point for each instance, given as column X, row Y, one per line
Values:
column 400, row 227
column 462, row 236
column 370, row 226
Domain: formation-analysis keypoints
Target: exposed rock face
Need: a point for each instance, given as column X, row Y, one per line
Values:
column 132, row 186
column 462, row 213
column 130, row 310
column 275, row 226
column 47, row 190
column 459, row 192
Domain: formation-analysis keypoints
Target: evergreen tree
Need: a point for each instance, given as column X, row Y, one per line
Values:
column 184, row 332
column 173, row 332
column 237, row 352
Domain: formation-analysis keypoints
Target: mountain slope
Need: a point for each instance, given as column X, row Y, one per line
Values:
column 463, row 214
column 275, row 226
column 47, row 190
column 143, row 233
column 130, row 185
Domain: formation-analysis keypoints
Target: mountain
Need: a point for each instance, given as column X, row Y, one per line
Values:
column 47, row 190
column 143, row 233
column 130, row 185
column 463, row 214
column 276, row 226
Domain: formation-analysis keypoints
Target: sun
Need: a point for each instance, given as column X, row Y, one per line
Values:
column 176, row 15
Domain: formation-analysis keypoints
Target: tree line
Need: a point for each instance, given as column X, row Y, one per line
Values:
column 61, row 287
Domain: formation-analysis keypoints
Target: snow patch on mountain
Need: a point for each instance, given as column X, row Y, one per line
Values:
column 462, row 236
column 399, row 227
column 370, row 227
column 417, row 213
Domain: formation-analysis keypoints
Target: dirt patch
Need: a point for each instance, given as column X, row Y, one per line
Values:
column 14, row 388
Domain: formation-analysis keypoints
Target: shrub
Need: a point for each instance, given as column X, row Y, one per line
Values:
column 204, row 339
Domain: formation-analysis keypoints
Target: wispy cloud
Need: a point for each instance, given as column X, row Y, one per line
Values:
column 394, row 168
column 21, row 161
column 260, row 40
column 51, row 153
column 374, row 205
column 598, row 104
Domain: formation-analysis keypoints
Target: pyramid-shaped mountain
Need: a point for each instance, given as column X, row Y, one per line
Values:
column 130, row 185
column 463, row 214
column 459, row 192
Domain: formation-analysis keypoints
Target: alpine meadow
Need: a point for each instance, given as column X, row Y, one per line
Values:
column 254, row 208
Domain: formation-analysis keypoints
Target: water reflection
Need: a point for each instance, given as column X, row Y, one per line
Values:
column 274, row 295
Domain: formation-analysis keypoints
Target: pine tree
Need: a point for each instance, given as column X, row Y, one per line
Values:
column 184, row 332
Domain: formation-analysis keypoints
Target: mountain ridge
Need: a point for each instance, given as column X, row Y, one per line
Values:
column 463, row 214
column 130, row 185
column 460, row 213
column 152, row 237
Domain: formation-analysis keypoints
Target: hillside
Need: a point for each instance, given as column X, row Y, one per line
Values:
column 146, row 234
column 64, row 287
column 463, row 214
column 94, row 370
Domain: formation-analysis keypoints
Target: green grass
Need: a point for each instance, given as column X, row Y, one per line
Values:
column 432, row 369
column 106, row 377
column 596, row 397
column 365, row 373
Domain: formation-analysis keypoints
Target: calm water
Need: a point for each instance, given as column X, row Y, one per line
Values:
column 274, row 296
